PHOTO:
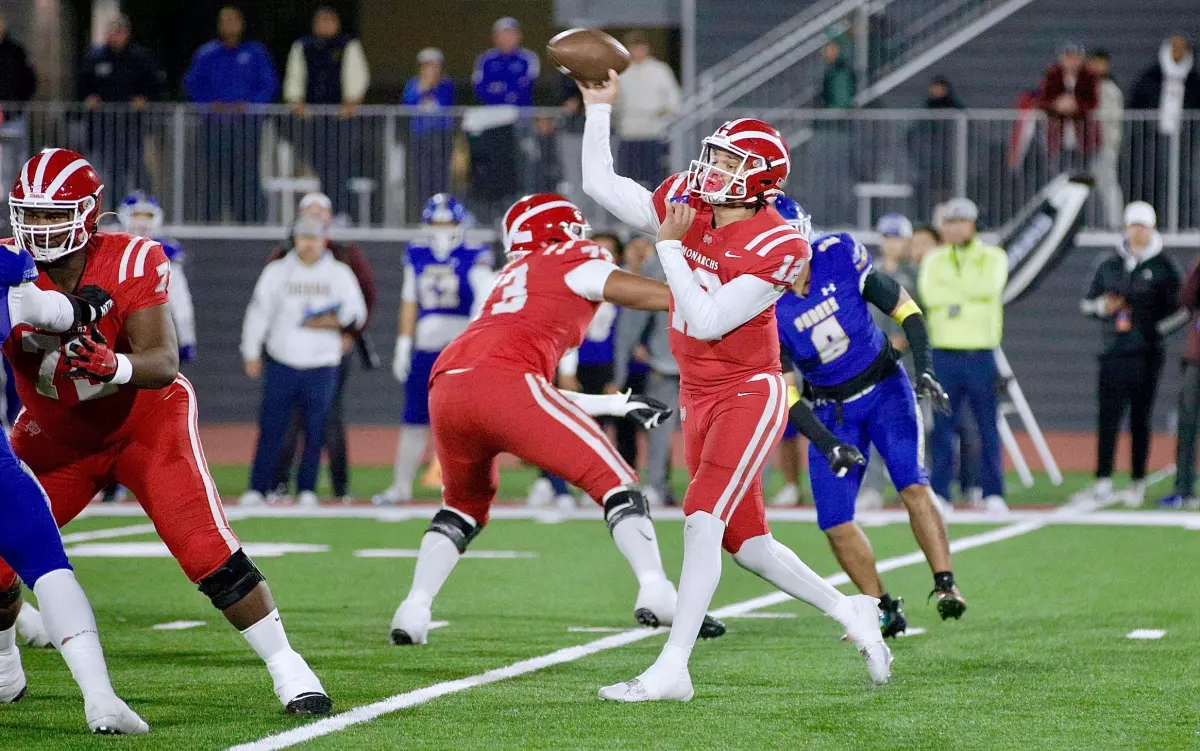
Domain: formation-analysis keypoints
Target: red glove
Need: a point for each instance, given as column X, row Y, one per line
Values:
column 89, row 357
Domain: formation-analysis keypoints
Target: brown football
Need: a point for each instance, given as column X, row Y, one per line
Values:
column 587, row 54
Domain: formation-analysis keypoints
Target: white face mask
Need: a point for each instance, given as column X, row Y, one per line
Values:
column 443, row 240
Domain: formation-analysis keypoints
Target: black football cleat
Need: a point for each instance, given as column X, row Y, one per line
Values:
column 892, row 621
column 950, row 602
column 711, row 628
column 310, row 705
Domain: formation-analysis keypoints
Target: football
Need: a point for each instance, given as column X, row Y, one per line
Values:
column 587, row 54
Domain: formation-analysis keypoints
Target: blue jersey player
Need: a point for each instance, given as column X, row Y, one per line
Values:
column 29, row 538
column 861, row 396
column 446, row 279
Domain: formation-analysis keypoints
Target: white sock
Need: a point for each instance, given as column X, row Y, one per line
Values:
column 71, row 625
column 409, row 449
column 635, row 538
column 268, row 639
column 777, row 564
column 8, row 639
column 435, row 560
column 702, row 533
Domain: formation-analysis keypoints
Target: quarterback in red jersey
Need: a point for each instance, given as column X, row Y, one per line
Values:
column 109, row 405
column 490, row 391
column 728, row 256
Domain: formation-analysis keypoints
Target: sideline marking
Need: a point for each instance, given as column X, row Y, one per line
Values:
column 368, row 712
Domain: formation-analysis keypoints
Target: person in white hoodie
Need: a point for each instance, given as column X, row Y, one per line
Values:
column 302, row 307
column 649, row 96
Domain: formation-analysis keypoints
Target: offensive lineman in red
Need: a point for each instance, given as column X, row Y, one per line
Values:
column 110, row 406
column 728, row 256
column 540, row 305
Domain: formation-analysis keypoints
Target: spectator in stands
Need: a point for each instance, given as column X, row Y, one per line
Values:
column 318, row 206
column 17, row 84
column 1134, row 291
column 832, row 138
column 230, row 74
column 931, row 145
column 924, row 239
column 1068, row 97
column 17, row 78
column 838, row 86
column 119, row 72
column 1109, row 115
column 1171, row 87
column 302, row 303
column 648, row 97
column 431, row 146
column 643, row 335
column 1184, row 494
column 960, row 285
column 504, row 75
column 328, row 67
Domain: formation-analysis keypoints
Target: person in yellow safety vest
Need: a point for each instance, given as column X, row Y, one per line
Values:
column 960, row 285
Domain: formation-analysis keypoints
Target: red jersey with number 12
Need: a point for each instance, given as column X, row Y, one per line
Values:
column 532, row 316
column 765, row 246
column 79, row 413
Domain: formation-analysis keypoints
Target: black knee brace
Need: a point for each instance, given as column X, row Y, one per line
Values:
column 236, row 578
column 455, row 526
column 9, row 597
column 624, row 504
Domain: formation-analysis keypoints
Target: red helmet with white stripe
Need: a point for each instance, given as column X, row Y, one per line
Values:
column 759, row 165
column 542, row 219
column 54, row 204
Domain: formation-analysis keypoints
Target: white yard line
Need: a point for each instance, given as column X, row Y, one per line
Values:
column 368, row 712
column 107, row 534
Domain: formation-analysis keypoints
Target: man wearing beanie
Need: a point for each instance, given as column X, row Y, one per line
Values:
column 1134, row 293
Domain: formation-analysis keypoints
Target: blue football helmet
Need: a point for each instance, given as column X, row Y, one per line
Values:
column 795, row 215
column 140, row 214
column 894, row 225
column 444, row 209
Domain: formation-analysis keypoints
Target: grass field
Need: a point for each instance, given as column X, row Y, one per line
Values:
column 1040, row 661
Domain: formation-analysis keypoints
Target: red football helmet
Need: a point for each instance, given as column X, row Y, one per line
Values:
column 55, row 181
column 541, row 219
column 765, row 163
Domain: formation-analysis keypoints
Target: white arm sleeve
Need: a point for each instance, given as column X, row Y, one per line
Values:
column 588, row 278
column 179, row 299
column 42, row 309
column 259, row 312
column 710, row 316
column 569, row 364
column 356, row 76
column 629, row 201
column 598, row 405
column 480, row 278
column 408, row 287
column 295, row 76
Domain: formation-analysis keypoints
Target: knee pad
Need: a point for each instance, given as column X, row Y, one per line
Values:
column 9, row 597
column 624, row 504
column 458, row 527
column 235, row 579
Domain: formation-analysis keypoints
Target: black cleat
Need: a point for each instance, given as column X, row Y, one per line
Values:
column 401, row 638
column 950, row 603
column 19, row 696
column 311, row 704
column 711, row 628
column 892, row 621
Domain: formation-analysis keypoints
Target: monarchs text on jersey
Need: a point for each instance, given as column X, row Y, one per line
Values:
column 540, row 306
column 765, row 246
column 79, row 412
column 829, row 332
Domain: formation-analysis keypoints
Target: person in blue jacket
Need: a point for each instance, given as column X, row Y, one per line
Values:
column 229, row 73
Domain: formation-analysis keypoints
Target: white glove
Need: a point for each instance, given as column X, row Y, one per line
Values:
column 403, row 360
column 647, row 412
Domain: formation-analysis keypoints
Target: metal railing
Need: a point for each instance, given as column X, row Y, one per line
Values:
column 379, row 166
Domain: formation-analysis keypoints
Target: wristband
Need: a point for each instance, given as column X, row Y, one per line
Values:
column 124, row 372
